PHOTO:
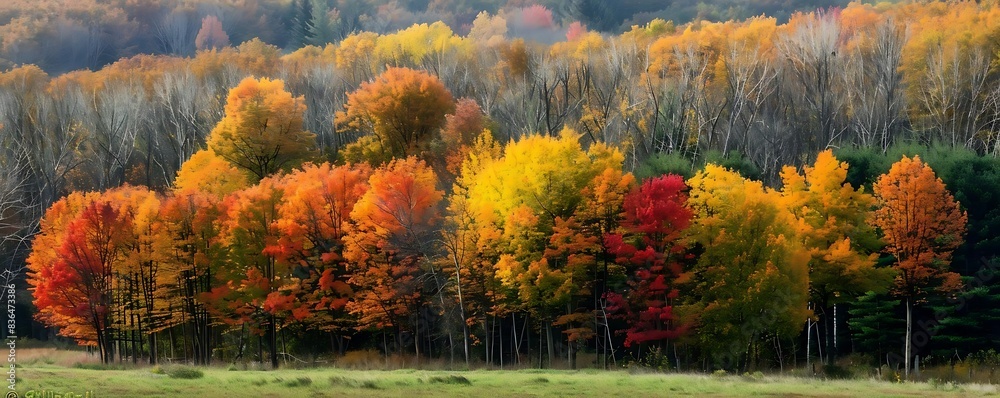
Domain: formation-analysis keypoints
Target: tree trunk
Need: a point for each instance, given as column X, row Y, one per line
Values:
column 513, row 334
column 835, row 345
column 152, row 348
column 909, row 336
column 260, row 349
column 272, row 331
column 416, row 339
column 548, row 342
column 809, row 344
column 819, row 344
column 170, row 333
column 284, row 346
column 461, row 310
column 500, row 339
column 486, row 329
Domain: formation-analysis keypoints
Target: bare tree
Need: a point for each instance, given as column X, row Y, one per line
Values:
column 324, row 89
column 874, row 84
column 750, row 75
column 117, row 115
column 176, row 32
column 810, row 53
column 183, row 117
column 954, row 96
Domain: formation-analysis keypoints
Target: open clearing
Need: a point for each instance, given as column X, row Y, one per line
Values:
column 331, row 382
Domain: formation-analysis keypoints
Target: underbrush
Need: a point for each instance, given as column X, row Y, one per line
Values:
column 55, row 356
column 450, row 379
column 341, row 381
column 185, row 372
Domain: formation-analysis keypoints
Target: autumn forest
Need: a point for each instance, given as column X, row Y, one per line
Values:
column 529, row 184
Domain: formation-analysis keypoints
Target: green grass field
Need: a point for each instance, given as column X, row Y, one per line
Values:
column 51, row 374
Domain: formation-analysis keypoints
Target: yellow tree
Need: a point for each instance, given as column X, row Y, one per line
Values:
column 193, row 255
column 206, row 172
column 462, row 239
column 922, row 225
column 832, row 223
column 516, row 203
column 752, row 278
column 138, row 275
column 261, row 131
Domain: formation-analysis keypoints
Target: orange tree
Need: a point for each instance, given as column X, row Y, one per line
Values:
column 310, row 229
column 386, row 246
column 76, row 291
column 922, row 225
column 400, row 111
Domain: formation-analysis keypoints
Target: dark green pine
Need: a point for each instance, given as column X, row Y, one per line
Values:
column 876, row 325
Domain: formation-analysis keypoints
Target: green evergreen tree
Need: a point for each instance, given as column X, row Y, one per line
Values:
column 971, row 321
column 975, row 182
column 596, row 14
column 875, row 325
column 303, row 30
column 324, row 30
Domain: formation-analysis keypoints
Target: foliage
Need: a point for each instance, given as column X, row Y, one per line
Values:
column 262, row 130
column 242, row 241
column 386, row 242
column 921, row 225
column 650, row 246
column 749, row 246
column 206, row 172
column 832, row 221
column 401, row 110
column 875, row 324
column 184, row 372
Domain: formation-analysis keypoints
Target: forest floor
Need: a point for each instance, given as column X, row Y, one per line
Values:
column 39, row 376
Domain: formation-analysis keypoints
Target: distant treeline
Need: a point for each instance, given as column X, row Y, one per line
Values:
column 65, row 35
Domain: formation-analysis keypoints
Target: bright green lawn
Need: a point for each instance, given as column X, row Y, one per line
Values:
column 417, row 383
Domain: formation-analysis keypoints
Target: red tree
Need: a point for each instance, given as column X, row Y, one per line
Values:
column 649, row 244
column 77, row 290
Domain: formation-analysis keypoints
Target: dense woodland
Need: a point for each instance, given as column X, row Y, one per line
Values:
column 740, row 195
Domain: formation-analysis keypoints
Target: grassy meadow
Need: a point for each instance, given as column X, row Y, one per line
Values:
column 60, row 372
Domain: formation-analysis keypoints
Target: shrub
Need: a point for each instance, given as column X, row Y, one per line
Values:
column 185, row 372
column 347, row 382
column 836, row 372
column 301, row 381
column 450, row 379
column 988, row 358
column 367, row 359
